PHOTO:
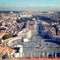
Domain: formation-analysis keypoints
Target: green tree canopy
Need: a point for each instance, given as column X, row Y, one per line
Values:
column 6, row 36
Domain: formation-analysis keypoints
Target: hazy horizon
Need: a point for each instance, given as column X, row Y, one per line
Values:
column 17, row 5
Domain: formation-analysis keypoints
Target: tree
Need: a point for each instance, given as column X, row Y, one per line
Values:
column 22, row 20
column 6, row 36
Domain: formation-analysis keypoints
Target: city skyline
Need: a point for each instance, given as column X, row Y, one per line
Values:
column 29, row 5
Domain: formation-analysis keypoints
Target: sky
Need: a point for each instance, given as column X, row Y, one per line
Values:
column 30, row 5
